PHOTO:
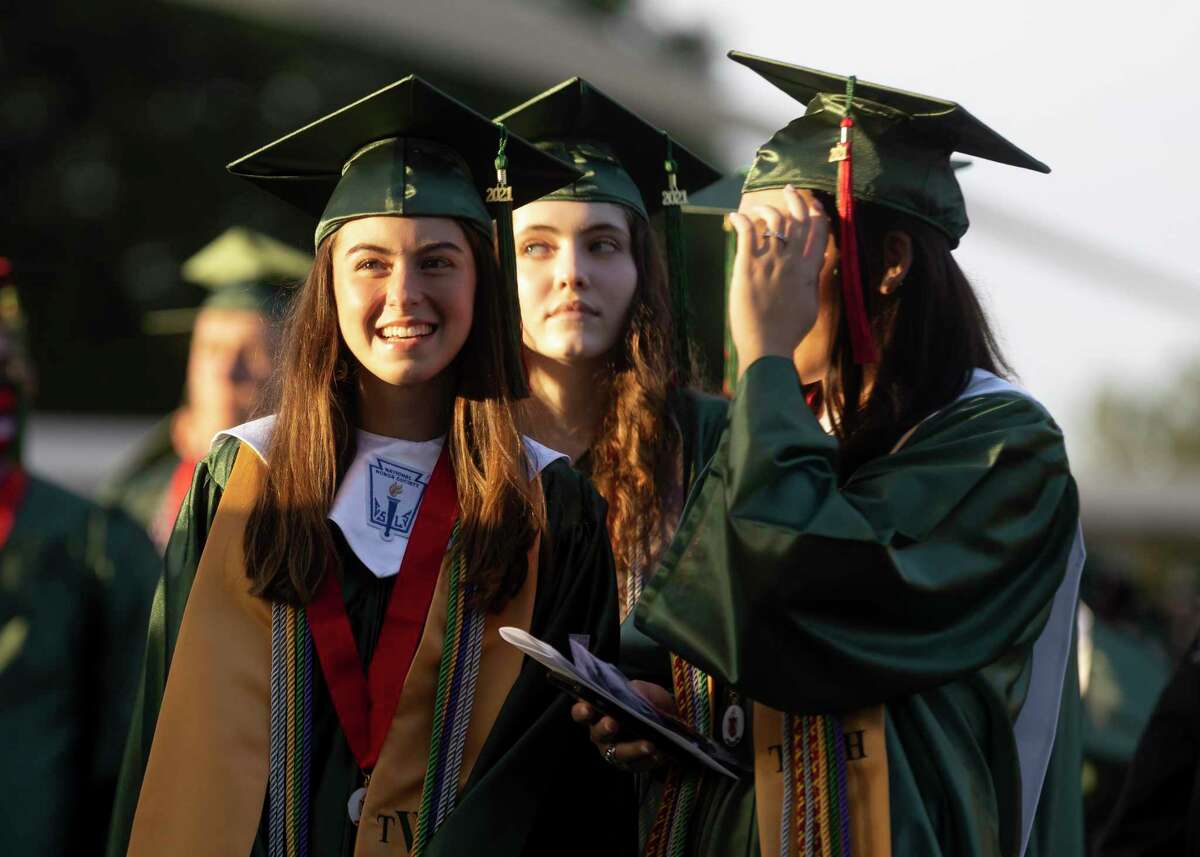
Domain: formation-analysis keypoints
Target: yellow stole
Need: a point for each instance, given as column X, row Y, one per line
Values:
column 866, row 780
column 206, row 777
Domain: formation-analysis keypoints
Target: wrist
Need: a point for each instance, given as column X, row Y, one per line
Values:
column 751, row 353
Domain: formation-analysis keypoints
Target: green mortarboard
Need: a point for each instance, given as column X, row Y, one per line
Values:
column 242, row 270
column 862, row 141
column 244, row 258
column 408, row 149
column 902, row 144
column 624, row 159
column 411, row 150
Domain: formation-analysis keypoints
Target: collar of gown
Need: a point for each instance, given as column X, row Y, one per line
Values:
column 380, row 495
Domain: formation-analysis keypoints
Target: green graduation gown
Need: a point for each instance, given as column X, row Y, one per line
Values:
column 139, row 487
column 75, row 590
column 536, row 771
column 922, row 582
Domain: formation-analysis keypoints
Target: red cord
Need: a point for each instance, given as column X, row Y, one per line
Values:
column 852, row 288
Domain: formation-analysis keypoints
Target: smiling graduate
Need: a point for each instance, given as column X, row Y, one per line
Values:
column 324, row 671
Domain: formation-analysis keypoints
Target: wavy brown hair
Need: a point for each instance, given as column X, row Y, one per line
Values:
column 634, row 456
column 501, row 511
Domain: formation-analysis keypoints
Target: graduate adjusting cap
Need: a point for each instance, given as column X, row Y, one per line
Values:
column 868, row 142
column 411, row 150
column 624, row 159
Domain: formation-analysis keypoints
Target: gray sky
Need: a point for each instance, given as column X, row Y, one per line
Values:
column 1092, row 273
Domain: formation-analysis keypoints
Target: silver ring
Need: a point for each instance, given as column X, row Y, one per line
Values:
column 779, row 235
column 610, row 755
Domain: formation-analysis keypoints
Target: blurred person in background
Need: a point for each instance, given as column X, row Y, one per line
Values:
column 1158, row 811
column 75, row 588
column 230, row 359
column 1123, row 668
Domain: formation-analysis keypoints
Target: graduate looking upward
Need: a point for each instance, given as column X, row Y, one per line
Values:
column 325, row 674
column 884, row 553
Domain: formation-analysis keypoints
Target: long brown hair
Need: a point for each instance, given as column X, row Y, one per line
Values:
column 633, row 461
column 313, row 443
column 931, row 333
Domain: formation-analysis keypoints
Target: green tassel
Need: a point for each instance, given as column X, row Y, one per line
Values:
column 673, row 200
column 500, row 201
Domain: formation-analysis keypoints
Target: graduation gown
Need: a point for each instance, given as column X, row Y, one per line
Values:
column 535, row 771
column 1158, row 811
column 75, row 590
column 922, row 583
column 138, row 488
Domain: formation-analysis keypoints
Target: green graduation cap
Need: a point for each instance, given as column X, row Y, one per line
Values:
column 902, row 144
column 410, row 150
column 862, row 141
column 242, row 270
column 624, row 160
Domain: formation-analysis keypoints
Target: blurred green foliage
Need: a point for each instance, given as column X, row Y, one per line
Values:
column 1156, row 431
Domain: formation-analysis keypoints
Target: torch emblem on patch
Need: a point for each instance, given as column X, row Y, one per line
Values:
column 393, row 497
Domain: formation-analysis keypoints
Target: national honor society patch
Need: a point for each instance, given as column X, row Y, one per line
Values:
column 393, row 497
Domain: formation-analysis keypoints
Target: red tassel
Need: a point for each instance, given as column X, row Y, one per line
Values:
column 852, row 290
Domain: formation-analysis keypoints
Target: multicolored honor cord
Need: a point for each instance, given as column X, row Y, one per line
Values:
column 291, row 733
column 815, row 821
column 458, row 673
column 291, row 718
column 694, row 699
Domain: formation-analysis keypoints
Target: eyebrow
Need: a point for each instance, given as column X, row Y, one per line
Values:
column 603, row 226
column 387, row 251
column 369, row 248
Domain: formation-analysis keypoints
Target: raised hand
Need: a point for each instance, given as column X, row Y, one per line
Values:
column 773, row 295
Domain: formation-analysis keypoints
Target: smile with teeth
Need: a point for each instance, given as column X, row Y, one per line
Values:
column 407, row 331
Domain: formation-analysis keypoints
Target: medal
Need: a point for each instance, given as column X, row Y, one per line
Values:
column 354, row 806
column 733, row 723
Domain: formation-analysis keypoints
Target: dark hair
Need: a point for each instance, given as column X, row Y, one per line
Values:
column 931, row 333
column 500, row 510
